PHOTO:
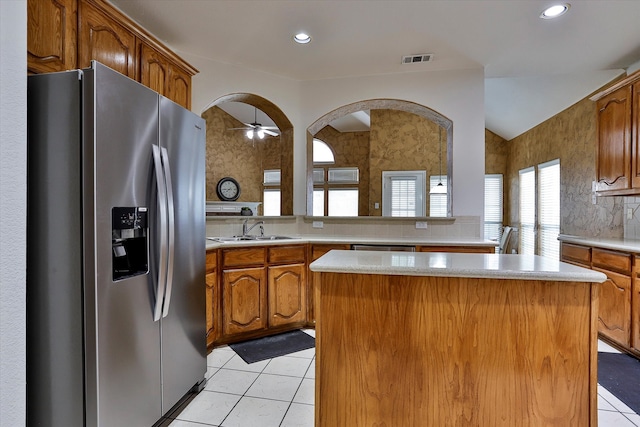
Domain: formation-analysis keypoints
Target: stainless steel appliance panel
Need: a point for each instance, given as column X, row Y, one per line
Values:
column 54, row 252
column 127, row 343
column 182, row 133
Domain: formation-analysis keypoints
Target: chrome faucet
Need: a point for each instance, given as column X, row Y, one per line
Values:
column 246, row 230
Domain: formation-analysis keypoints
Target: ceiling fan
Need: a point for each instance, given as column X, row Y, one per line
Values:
column 256, row 129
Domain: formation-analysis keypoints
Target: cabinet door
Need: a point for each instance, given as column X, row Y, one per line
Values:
column 635, row 135
column 635, row 309
column 244, row 300
column 154, row 70
column 613, row 171
column 51, row 35
column 287, row 295
column 211, row 282
column 316, row 252
column 179, row 87
column 105, row 40
column 614, row 312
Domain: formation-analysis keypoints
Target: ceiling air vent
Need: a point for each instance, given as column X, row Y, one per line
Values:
column 416, row 59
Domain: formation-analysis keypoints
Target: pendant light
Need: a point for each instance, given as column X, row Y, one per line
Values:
column 440, row 188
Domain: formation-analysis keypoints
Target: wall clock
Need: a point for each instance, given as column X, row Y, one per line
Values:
column 228, row 189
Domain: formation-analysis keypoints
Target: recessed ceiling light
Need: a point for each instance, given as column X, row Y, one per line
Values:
column 555, row 11
column 302, row 38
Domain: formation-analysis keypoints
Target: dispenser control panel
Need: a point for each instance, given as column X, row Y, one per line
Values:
column 129, row 240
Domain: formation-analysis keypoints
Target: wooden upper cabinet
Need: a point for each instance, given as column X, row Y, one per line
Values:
column 105, row 40
column 179, row 86
column 69, row 34
column 51, row 35
column 614, row 141
column 618, row 144
column 635, row 135
column 154, row 69
column 163, row 76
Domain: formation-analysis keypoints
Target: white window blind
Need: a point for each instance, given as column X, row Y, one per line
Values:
column 343, row 175
column 271, row 202
column 493, row 203
column 343, row 202
column 549, row 208
column 318, row 202
column 437, row 202
column 403, row 193
column 272, row 177
column 527, row 211
column 318, row 176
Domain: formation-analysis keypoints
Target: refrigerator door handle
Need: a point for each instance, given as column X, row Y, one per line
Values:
column 171, row 224
column 162, row 215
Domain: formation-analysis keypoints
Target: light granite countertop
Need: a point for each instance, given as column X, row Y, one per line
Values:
column 494, row 266
column 620, row 244
column 409, row 241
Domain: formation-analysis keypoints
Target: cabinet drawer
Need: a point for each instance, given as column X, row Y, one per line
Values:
column 211, row 260
column 575, row 253
column 288, row 254
column 243, row 257
column 611, row 260
column 319, row 250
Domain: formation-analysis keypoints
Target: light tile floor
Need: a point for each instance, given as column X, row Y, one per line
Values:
column 280, row 393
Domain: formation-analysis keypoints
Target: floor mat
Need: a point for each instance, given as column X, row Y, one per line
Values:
column 620, row 374
column 273, row 346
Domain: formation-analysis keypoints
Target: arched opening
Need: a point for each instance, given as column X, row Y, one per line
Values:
column 383, row 104
column 285, row 147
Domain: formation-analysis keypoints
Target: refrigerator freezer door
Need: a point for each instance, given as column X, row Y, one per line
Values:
column 122, row 340
column 182, row 133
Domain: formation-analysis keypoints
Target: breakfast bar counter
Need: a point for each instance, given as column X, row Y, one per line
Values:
column 449, row 339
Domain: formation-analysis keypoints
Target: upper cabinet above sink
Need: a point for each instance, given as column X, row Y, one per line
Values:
column 618, row 144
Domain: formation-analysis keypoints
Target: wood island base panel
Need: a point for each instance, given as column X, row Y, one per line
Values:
column 394, row 350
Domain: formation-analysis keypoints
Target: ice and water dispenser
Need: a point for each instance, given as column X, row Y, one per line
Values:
column 130, row 241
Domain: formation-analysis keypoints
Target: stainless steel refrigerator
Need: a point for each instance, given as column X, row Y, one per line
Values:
column 116, row 251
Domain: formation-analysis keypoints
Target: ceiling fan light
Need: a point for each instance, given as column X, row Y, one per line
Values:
column 302, row 38
column 250, row 134
column 260, row 134
column 555, row 11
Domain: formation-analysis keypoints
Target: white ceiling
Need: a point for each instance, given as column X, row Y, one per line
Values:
column 534, row 68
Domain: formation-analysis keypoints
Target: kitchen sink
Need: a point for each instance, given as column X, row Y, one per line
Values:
column 249, row 238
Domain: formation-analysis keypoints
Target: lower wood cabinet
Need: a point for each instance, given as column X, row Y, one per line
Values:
column 262, row 290
column 614, row 312
column 618, row 296
column 244, row 301
column 287, row 292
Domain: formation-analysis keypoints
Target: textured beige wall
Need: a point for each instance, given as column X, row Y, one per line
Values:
column 398, row 140
column 231, row 153
column 496, row 159
column 402, row 141
column 570, row 136
column 351, row 149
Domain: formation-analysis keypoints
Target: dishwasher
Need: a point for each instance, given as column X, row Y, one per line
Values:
column 398, row 248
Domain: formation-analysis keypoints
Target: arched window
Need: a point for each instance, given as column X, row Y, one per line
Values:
column 335, row 189
column 322, row 153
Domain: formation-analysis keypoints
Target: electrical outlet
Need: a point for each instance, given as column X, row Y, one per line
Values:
column 317, row 224
column 376, row 205
column 421, row 224
column 629, row 213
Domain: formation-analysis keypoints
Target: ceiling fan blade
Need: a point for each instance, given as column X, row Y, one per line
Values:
column 270, row 132
column 249, row 128
column 270, row 127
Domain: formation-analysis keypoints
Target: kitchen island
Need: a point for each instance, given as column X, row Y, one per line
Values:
column 446, row 339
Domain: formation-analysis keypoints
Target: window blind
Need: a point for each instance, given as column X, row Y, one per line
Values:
column 549, row 208
column 527, row 211
column 437, row 202
column 493, row 206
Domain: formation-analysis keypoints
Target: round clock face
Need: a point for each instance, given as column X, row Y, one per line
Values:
column 228, row 189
